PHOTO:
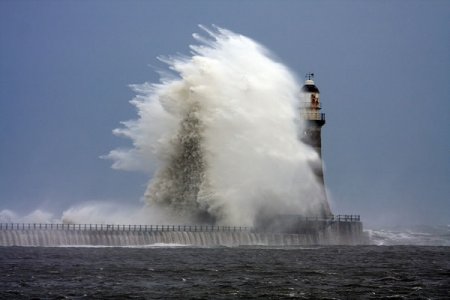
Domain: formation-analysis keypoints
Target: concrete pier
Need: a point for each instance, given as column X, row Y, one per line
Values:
column 319, row 232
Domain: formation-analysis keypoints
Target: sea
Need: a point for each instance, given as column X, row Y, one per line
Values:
column 168, row 271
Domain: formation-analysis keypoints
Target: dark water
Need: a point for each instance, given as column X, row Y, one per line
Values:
column 366, row 272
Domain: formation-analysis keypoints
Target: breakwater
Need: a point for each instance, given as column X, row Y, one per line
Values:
column 320, row 232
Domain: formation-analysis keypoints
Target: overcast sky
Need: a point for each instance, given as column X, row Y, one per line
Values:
column 383, row 69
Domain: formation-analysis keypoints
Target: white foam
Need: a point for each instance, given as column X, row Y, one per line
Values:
column 387, row 237
column 222, row 135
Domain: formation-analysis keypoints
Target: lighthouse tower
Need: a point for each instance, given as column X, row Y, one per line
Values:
column 310, row 110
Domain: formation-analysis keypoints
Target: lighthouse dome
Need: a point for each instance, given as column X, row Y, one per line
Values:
column 310, row 87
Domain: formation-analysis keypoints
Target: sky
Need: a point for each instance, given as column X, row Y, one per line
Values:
column 383, row 69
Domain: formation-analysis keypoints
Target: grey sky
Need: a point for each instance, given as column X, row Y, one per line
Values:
column 383, row 68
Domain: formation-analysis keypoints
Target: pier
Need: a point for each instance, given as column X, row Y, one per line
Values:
column 343, row 229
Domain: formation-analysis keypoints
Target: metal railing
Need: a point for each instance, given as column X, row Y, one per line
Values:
column 312, row 115
column 346, row 218
column 115, row 227
column 309, row 105
column 333, row 218
column 149, row 228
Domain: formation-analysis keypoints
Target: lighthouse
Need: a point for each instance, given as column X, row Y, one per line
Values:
column 310, row 111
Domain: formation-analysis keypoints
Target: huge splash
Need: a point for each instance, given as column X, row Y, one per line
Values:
column 220, row 133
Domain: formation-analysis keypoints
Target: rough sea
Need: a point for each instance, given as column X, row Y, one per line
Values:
column 183, row 272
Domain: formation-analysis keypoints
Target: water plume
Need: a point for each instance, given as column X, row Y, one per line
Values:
column 96, row 212
column 221, row 135
column 36, row 216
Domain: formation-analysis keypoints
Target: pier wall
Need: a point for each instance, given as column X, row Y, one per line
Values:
column 52, row 235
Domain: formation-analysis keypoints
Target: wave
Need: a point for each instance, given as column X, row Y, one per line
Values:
column 416, row 235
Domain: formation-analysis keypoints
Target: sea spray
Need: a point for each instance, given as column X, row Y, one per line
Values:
column 221, row 137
